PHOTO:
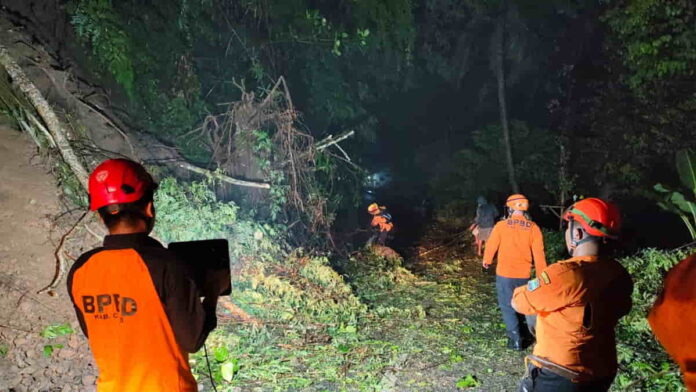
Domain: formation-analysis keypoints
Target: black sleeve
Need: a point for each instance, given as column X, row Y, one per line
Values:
column 79, row 263
column 189, row 320
column 625, row 300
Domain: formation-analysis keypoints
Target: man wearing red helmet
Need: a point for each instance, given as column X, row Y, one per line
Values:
column 135, row 302
column 578, row 303
column 517, row 241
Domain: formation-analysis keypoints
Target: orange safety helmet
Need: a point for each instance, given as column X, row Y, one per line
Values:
column 517, row 202
column 118, row 181
column 599, row 218
column 373, row 208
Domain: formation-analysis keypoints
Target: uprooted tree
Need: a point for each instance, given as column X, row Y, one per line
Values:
column 255, row 145
column 260, row 140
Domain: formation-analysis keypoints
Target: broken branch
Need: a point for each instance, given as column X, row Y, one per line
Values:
column 223, row 177
column 330, row 140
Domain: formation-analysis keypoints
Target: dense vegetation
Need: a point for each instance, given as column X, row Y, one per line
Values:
column 377, row 326
column 453, row 99
column 605, row 91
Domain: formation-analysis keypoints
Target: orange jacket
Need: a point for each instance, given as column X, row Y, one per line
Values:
column 141, row 314
column 516, row 239
column 673, row 318
column 382, row 223
column 578, row 303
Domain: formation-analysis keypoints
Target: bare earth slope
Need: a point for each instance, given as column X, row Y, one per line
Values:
column 28, row 203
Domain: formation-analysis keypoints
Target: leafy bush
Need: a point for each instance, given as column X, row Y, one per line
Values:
column 304, row 317
column 305, row 330
column 643, row 364
column 480, row 168
column 298, row 290
column 554, row 245
column 96, row 23
column 682, row 204
column 191, row 212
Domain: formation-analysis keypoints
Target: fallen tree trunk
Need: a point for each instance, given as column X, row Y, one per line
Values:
column 20, row 80
column 223, row 177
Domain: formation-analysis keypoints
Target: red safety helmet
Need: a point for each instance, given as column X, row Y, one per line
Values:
column 599, row 218
column 118, row 181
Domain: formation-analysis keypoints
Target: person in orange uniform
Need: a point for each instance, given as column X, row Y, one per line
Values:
column 133, row 298
column 673, row 319
column 517, row 240
column 578, row 302
column 381, row 223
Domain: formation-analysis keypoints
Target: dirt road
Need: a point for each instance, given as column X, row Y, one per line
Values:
column 28, row 207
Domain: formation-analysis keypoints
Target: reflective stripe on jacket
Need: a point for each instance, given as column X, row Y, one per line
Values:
column 381, row 222
column 578, row 303
column 141, row 314
column 516, row 240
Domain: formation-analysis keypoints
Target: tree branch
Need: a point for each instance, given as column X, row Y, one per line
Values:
column 20, row 80
column 223, row 177
column 330, row 140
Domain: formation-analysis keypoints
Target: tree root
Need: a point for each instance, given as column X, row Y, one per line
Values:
column 60, row 259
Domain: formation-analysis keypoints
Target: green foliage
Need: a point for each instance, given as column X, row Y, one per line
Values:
column 53, row 332
column 188, row 212
column 641, row 108
column 96, row 23
column 686, row 167
column 229, row 369
column 299, row 300
column 146, row 49
column 4, row 349
column 56, row 330
column 643, row 363
column 480, row 169
column 191, row 211
column 307, row 328
column 316, row 295
column 656, row 39
column 467, row 382
column 677, row 202
column 48, row 349
column 554, row 245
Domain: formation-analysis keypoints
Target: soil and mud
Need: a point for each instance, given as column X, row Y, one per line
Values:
column 29, row 205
